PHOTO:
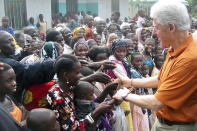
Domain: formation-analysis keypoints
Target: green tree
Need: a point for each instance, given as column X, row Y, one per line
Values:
column 193, row 6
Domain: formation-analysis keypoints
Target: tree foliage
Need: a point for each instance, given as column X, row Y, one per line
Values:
column 193, row 6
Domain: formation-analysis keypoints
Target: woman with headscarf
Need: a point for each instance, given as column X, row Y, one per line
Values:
column 81, row 48
column 79, row 32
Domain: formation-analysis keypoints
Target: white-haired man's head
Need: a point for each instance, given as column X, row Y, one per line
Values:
column 170, row 11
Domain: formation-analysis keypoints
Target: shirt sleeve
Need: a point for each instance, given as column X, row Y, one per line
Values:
column 178, row 86
column 65, row 112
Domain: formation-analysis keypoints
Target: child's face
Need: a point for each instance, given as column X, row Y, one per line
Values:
column 159, row 50
column 81, row 33
column 145, row 70
column 120, row 53
column 160, row 61
column 81, row 50
column 101, row 57
column 126, row 29
column 137, row 61
column 98, row 40
column 113, row 29
column 149, row 47
column 113, row 37
column 130, row 47
column 8, row 82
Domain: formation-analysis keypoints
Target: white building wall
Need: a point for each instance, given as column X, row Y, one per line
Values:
column 2, row 10
column 124, row 9
column 104, row 8
column 36, row 7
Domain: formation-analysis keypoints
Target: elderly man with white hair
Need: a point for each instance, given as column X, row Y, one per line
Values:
column 175, row 101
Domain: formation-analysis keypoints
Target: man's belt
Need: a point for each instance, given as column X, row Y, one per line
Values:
column 170, row 123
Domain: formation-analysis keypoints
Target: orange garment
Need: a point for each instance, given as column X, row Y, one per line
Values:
column 89, row 33
column 177, row 87
column 16, row 113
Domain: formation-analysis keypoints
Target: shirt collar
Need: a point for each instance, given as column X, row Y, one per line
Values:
column 181, row 47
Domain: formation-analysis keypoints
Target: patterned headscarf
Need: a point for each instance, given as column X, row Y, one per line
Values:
column 82, row 42
column 49, row 51
column 76, row 30
column 118, row 43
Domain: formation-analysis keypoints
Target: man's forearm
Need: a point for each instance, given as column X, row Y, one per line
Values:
column 151, row 82
column 146, row 101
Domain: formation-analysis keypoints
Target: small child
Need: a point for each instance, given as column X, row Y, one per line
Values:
column 136, row 61
column 139, row 115
column 148, row 53
column 41, row 119
column 145, row 70
column 84, row 104
column 158, row 60
column 158, row 49
column 98, row 39
column 130, row 49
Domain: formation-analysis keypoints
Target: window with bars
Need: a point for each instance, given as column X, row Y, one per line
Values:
column 16, row 11
column 115, row 5
column 54, row 6
column 72, row 6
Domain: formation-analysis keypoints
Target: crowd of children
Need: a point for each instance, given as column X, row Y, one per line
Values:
column 63, row 78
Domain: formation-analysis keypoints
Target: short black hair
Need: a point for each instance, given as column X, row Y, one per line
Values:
column 65, row 63
column 116, row 13
column 135, row 54
column 114, row 24
column 52, row 35
column 81, row 90
column 18, row 34
column 86, row 71
column 27, row 29
column 97, row 50
column 37, row 119
column 40, row 15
